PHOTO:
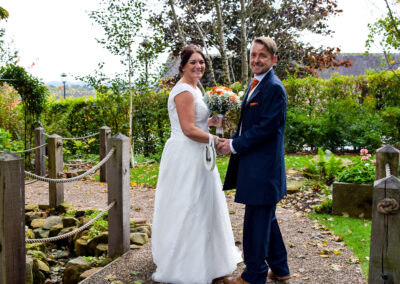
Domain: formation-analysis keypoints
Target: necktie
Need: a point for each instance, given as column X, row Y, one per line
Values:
column 253, row 84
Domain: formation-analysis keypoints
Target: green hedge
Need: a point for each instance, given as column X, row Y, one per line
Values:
column 362, row 111
column 75, row 117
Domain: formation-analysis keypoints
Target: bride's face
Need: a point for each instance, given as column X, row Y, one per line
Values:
column 195, row 67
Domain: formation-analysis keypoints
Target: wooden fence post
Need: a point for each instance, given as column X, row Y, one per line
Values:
column 40, row 166
column 56, row 190
column 118, row 190
column 387, row 155
column 385, row 230
column 12, row 219
column 105, row 135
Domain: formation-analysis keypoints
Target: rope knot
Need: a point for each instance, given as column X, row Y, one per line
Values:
column 387, row 206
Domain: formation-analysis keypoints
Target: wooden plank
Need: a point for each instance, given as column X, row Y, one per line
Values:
column 105, row 135
column 56, row 190
column 40, row 165
column 12, row 219
column 118, row 190
column 385, row 234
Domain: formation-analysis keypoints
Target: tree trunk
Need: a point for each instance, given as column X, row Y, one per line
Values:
column 182, row 39
column 132, row 159
column 222, row 48
column 243, row 45
column 208, row 58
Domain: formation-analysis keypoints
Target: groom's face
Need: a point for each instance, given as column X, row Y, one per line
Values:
column 260, row 59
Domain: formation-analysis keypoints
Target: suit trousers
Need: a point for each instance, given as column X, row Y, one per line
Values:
column 263, row 246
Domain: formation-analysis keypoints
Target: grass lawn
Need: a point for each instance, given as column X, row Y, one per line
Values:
column 356, row 234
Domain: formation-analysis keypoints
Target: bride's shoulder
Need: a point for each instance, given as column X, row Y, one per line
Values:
column 180, row 88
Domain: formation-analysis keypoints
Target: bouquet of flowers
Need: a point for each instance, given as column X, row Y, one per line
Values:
column 221, row 100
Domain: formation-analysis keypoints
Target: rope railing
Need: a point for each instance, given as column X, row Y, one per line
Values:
column 27, row 150
column 387, row 169
column 76, row 138
column 92, row 170
column 66, row 235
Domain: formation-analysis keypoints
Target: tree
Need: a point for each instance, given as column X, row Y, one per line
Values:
column 283, row 20
column 7, row 51
column 388, row 28
column 121, row 21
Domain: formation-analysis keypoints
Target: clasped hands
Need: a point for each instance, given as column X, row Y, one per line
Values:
column 223, row 146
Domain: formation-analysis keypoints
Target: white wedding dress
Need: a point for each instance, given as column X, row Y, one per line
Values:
column 192, row 237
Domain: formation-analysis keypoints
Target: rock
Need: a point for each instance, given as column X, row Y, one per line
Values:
column 105, row 261
column 37, row 246
column 30, row 216
column 43, row 267
column 89, row 272
column 38, row 276
column 141, row 229
column 31, row 207
column 135, row 247
column 139, row 238
column 38, row 223
column 80, row 213
column 41, row 233
column 44, row 207
column 102, row 238
column 80, row 246
column 51, row 221
column 29, row 270
column 64, row 207
column 139, row 221
column 294, row 186
column 83, row 220
column 55, row 230
column 70, row 222
column 101, row 249
column 37, row 254
column 65, row 241
column 73, row 270
column 60, row 254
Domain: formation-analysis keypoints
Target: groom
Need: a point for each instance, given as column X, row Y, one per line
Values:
column 257, row 168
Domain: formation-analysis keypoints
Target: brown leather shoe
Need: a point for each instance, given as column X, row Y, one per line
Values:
column 275, row 277
column 234, row 280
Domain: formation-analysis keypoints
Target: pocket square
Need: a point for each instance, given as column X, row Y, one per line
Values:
column 253, row 104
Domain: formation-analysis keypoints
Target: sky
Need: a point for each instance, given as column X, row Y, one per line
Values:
column 59, row 37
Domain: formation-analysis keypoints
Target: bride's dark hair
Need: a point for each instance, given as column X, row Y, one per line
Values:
column 185, row 54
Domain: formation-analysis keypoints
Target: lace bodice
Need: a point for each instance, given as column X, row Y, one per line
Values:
column 201, row 110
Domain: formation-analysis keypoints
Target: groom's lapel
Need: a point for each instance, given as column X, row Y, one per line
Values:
column 245, row 95
column 259, row 87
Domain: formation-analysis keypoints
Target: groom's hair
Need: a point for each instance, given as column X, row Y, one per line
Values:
column 185, row 54
column 268, row 42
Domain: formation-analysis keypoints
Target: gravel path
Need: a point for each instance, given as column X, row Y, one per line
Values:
column 304, row 238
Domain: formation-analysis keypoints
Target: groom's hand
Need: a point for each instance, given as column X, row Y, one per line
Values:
column 223, row 147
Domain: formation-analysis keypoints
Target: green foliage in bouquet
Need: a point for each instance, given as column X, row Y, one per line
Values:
column 221, row 100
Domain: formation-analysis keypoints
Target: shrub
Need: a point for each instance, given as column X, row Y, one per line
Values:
column 360, row 172
column 323, row 170
column 7, row 144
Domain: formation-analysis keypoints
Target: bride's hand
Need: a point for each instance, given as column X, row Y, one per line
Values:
column 213, row 121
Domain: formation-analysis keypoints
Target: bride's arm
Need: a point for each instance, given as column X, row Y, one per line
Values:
column 185, row 107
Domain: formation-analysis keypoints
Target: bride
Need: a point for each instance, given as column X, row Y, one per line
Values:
column 192, row 240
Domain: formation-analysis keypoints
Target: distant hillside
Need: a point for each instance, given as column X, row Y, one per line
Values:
column 75, row 89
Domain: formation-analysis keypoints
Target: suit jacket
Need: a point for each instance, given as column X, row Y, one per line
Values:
column 257, row 170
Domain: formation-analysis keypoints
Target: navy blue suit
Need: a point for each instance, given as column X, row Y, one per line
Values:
column 257, row 171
